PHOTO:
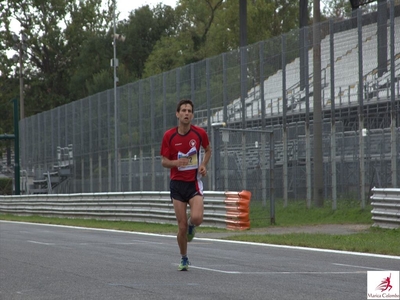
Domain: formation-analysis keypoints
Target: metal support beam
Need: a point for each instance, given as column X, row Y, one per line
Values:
column 7, row 136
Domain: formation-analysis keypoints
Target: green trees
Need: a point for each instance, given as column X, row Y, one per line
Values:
column 55, row 32
column 336, row 8
column 143, row 29
column 211, row 27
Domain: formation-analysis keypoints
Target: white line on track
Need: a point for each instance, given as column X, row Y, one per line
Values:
column 41, row 243
column 272, row 272
column 215, row 270
column 360, row 267
column 138, row 242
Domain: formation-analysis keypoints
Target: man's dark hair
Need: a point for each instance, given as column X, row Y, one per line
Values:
column 184, row 101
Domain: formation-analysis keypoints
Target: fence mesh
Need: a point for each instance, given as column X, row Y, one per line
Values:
column 266, row 86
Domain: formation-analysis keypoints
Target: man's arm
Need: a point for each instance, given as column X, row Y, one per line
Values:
column 203, row 164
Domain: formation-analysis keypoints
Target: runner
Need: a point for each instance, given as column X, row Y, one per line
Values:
column 180, row 151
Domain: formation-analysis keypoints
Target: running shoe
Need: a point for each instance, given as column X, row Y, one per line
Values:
column 184, row 265
column 190, row 232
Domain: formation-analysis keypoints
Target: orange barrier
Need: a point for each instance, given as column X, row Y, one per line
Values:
column 237, row 205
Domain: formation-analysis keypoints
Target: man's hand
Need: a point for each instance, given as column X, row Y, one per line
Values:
column 203, row 170
column 182, row 162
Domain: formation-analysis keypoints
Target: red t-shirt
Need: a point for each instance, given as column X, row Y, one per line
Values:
column 175, row 145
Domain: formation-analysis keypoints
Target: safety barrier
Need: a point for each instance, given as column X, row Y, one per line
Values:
column 228, row 210
column 386, row 207
column 238, row 210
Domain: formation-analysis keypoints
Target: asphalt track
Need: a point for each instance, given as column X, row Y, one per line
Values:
column 59, row 262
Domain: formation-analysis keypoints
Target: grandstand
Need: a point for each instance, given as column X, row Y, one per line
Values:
column 376, row 88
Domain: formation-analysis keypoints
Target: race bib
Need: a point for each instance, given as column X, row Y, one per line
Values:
column 192, row 157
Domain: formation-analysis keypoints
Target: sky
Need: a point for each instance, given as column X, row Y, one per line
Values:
column 126, row 6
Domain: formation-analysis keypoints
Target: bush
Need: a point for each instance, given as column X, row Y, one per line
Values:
column 6, row 186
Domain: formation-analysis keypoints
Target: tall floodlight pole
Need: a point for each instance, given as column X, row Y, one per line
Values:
column 115, row 101
column 318, row 162
column 243, row 56
column 21, row 80
column 20, row 46
column 243, row 79
column 303, row 11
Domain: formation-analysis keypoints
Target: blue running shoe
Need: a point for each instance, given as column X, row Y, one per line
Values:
column 184, row 265
column 190, row 232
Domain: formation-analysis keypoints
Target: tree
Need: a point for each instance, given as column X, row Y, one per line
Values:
column 187, row 44
column 210, row 27
column 143, row 29
column 9, row 80
column 93, row 60
column 90, row 44
column 137, row 36
column 341, row 9
column 56, row 31
column 336, row 8
column 9, row 87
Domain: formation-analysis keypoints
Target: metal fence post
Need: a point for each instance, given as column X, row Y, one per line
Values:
column 272, row 176
column 361, row 108
column 17, row 183
column 333, row 121
column 394, row 106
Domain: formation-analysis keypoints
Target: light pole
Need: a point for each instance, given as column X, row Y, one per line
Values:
column 20, row 46
column 115, row 65
column 317, row 107
column 17, row 167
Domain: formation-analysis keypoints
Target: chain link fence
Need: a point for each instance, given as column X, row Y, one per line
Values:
column 267, row 87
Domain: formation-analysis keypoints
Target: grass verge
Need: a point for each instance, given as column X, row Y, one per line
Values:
column 375, row 240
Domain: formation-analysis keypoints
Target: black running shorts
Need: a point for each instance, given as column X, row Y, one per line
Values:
column 183, row 190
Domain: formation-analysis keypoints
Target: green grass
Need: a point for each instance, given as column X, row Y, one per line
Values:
column 373, row 240
column 296, row 214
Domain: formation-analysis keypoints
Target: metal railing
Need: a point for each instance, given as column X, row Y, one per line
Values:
column 386, row 208
column 221, row 209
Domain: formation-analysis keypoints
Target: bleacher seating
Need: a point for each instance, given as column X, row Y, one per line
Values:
column 61, row 172
column 346, row 78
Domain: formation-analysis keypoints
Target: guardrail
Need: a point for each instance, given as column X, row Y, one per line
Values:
column 386, row 208
column 228, row 210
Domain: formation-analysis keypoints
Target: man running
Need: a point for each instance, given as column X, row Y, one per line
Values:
column 180, row 151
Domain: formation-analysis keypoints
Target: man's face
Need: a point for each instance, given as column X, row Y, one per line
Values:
column 185, row 114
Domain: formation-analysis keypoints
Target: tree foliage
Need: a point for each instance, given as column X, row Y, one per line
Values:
column 137, row 36
column 187, row 44
column 341, row 9
column 336, row 8
column 55, row 32
column 143, row 29
column 211, row 27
